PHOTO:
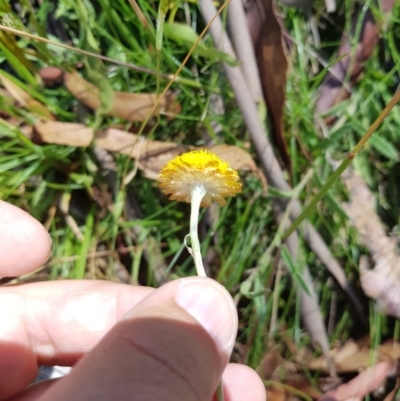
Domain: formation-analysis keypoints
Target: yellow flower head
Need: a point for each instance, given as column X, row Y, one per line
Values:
column 199, row 168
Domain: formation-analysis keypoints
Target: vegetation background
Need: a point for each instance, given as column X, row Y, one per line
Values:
column 80, row 154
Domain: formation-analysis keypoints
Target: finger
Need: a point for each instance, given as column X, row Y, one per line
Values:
column 55, row 323
column 24, row 242
column 173, row 345
column 34, row 392
column 242, row 383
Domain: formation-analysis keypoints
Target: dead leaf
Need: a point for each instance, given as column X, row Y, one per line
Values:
column 270, row 362
column 254, row 17
column 290, row 388
column 302, row 384
column 349, row 350
column 70, row 134
column 24, row 99
column 332, row 90
column 283, row 375
column 237, row 158
column 151, row 155
column 382, row 283
column 127, row 106
column 276, row 394
column 27, row 130
column 350, row 358
column 365, row 383
column 273, row 66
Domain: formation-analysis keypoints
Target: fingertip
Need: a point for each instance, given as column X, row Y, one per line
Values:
column 242, row 383
column 212, row 306
column 24, row 245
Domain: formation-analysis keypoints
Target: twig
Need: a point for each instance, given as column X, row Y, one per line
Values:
column 244, row 48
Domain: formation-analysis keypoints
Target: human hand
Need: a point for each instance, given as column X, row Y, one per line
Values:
column 125, row 342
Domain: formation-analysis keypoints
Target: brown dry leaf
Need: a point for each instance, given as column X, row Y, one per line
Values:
column 275, row 369
column 351, row 359
column 25, row 100
column 70, row 134
column 365, row 383
column 270, row 362
column 332, row 90
column 273, row 66
column 237, row 158
column 339, row 357
column 382, row 283
column 290, row 388
column 27, row 130
column 302, row 383
column 345, row 353
column 254, row 17
column 127, row 106
column 151, row 155
column 276, row 394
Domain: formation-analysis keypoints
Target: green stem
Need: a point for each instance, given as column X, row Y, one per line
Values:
column 220, row 392
column 343, row 165
column 160, row 29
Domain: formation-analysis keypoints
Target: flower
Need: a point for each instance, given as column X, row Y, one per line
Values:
column 199, row 169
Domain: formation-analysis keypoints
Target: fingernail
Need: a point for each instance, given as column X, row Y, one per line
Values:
column 212, row 306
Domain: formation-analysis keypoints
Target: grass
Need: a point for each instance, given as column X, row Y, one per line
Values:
column 67, row 189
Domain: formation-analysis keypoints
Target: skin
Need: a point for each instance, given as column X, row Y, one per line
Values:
column 125, row 342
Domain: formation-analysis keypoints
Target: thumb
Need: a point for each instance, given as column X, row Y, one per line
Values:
column 173, row 345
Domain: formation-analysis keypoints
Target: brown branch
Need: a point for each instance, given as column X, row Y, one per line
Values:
column 244, row 48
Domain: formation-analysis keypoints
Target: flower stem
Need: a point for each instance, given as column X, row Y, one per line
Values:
column 198, row 193
column 220, row 392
